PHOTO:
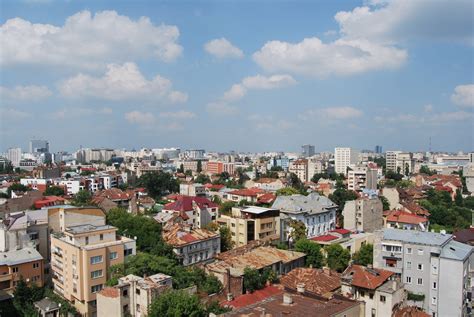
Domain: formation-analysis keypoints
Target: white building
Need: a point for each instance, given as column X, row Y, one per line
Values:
column 361, row 177
column 14, row 156
column 345, row 156
column 400, row 161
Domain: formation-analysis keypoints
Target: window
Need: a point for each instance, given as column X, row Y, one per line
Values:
column 392, row 248
column 96, row 259
column 96, row 288
column 87, row 240
column 125, row 308
column 36, row 265
column 434, row 269
column 408, row 279
column 420, row 281
column 362, row 293
column 125, row 293
column 138, row 308
column 15, row 269
column 408, row 265
column 435, row 285
column 382, row 298
column 420, row 251
column 96, row 274
column 433, row 300
column 113, row 255
column 420, row 266
column 409, row 251
column 371, row 295
column 127, row 252
column 137, row 291
column 101, row 237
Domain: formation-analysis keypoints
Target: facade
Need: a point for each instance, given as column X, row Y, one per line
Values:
column 427, row 262
column 345, row 156
column 300, row 168
column 132, row 295
column 318, row 213
column 307, row 150
column 361, row 177
column 193, row 189
column 14, row 156
column 363, row 214
column 266, row 184
column 381, row 292
column 193, row 246
column 80, row 258
column 248, row 224
column 398, row 161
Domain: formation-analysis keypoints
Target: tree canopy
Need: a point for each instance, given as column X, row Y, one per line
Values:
column 287, row 191
column 365, row 255
column 17, row 187
column 82, row 198
column 177, row 304
column 54, row 191
column 314, row 256
column 337, row 257
column 158, row 184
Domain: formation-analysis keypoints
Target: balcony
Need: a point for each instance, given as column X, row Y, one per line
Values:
column 6, row 277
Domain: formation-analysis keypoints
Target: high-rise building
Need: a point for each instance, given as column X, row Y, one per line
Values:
column 345, row 156
column 307, row 150
column 39, row 146
column 402, row 162
column 14, row 156
column 378, row 149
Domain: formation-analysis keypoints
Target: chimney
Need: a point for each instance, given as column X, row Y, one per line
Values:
column 370, row 266
column 230, row 297
column 300, row 288
column 287, row 300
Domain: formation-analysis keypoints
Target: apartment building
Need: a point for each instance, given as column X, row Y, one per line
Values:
column 343, row 157
column 195, row 211
column 252, row 223
column 192, row 245
column 398, row 161
column 428, row 262
column 192, row 189
column 132, row 295
column 379, row 289
column 361, row 177
column 363, row 214
column 80, row 258
column 300, row 168
column 318, row 213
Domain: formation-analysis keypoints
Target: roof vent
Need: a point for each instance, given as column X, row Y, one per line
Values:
column 287, row 299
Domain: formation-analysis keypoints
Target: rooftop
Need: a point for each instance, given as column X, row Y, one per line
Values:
column 257, row 210
column 317, row 281
column 416, row 237
column 179, row 235
column 368, row 278
column 15, row 257
column 87, row 228
column 405, row 217
column 185, row 203
column 313, row 204
column 456, row 251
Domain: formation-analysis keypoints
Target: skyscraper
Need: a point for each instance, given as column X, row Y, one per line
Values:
column 378, row 149
column 14, row 156
column 307, row 150
column 39, row 146
column 345, row 156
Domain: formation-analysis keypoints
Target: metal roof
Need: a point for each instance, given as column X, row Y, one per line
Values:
column 416, row 237
column 257, row 210
column 15, row 257
column 295, row 204
column 456, row 251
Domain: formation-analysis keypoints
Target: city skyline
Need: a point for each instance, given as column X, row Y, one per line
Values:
column 189, row 75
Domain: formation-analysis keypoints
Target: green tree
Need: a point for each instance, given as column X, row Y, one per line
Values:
column 180, row 168
column 199, row 166
column 385, row 203
column 188, row 173
column 337, row 257
column 298, row 230
column 287, row 191
column 226, row 207
column 202, row 179
column 295, row 182
column 365, row 255
column 215, row 308
column 82, row 198
column 458, row 198
column 17, row 187
column 314, row 256
column 226, row 239
column 177, row 304
column 54, row 191
column 6, row 168
column 158, row 184
column 253, row 280
column 426, row 170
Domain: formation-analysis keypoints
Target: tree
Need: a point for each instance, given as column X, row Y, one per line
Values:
column 314, row 257
column 365, row 255
column 253, row 280
column 6, row 168
column 340, row 196
column 17, row 187
column 226, row 207
column 215, row 308
column 226, row 239
column 188, row 173
column 82, row 198
column 158, row 184
column 458, row 198
column 199, row 166
column 337, row 257
column 177, row 304
column 54, row 191
column 295, row 182
column 202, row 179
column 287, row 191
column 395, row 176
column 426, row 170
column 180, row 168
column 385, row 203
column 298, row 230
column 244, row 202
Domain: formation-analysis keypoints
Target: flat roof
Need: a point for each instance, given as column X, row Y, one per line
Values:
column 15, row 257
column 416, row 237
column 257, row 210
column 455, row 250
column 87, row 228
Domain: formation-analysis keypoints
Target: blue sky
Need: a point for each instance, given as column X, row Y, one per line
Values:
column 247, row 76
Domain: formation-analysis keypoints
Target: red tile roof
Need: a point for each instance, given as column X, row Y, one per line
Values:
column 410, row 311
column 244, row 192
column 214, row 186
column 341, row 231
column 325, row 238
column 405, row 217
column 317, row 281
column 366, row 278
column 267, row 198
column 110, row 292
column 255, row 297
column 185, row 203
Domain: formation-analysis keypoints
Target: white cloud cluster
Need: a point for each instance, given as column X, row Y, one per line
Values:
column 76, row 112
column 463, row 95
column 223, row 48
column 238, row 91
column 121, row 82
column 430, row 118
column 24, row 93
column 332, row 113
column 182, row 114
column 87, row 40
column 140, row 118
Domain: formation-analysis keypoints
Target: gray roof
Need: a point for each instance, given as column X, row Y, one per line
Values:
column 47, row 305
column 86, row 228
column 296, row 204
column 15, row 257
column 416, row 237
column 456, row 251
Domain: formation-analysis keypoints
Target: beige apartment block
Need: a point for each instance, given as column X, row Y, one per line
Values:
column 132, row 295
column 80, row 258
column 251, row 223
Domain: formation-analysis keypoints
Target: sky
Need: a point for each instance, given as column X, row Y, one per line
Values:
column 238, row 75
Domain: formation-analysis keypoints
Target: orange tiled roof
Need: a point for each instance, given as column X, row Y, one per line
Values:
column 366, row 278
column 316, row 281
column 405, row 217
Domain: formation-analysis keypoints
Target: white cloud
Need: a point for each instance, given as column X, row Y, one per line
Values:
column 120, row 82
column 178, row 115
column 222, row 48
column 142, row 118
column 431, row 118
column 312, row 57
column 331, row 113
column 400, row 20
column 25, row 93
column 87, row 40
column 236, row 92
column 271, row 82
column 221, row 108
column 76, row 112
column 13, row 114
column 428, row 108
column 463, row 95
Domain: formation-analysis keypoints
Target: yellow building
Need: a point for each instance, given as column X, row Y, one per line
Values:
column 251, row 223
column 80, row 258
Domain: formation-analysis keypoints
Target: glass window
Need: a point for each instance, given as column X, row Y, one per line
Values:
column 113, row 255
column 96, row 274
column 96, row 259
column 409, row 251
column 420, row 266
column 420, row 281
column 408, row 265
column 382, row 298
column 408, row 279
column 96, row 288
